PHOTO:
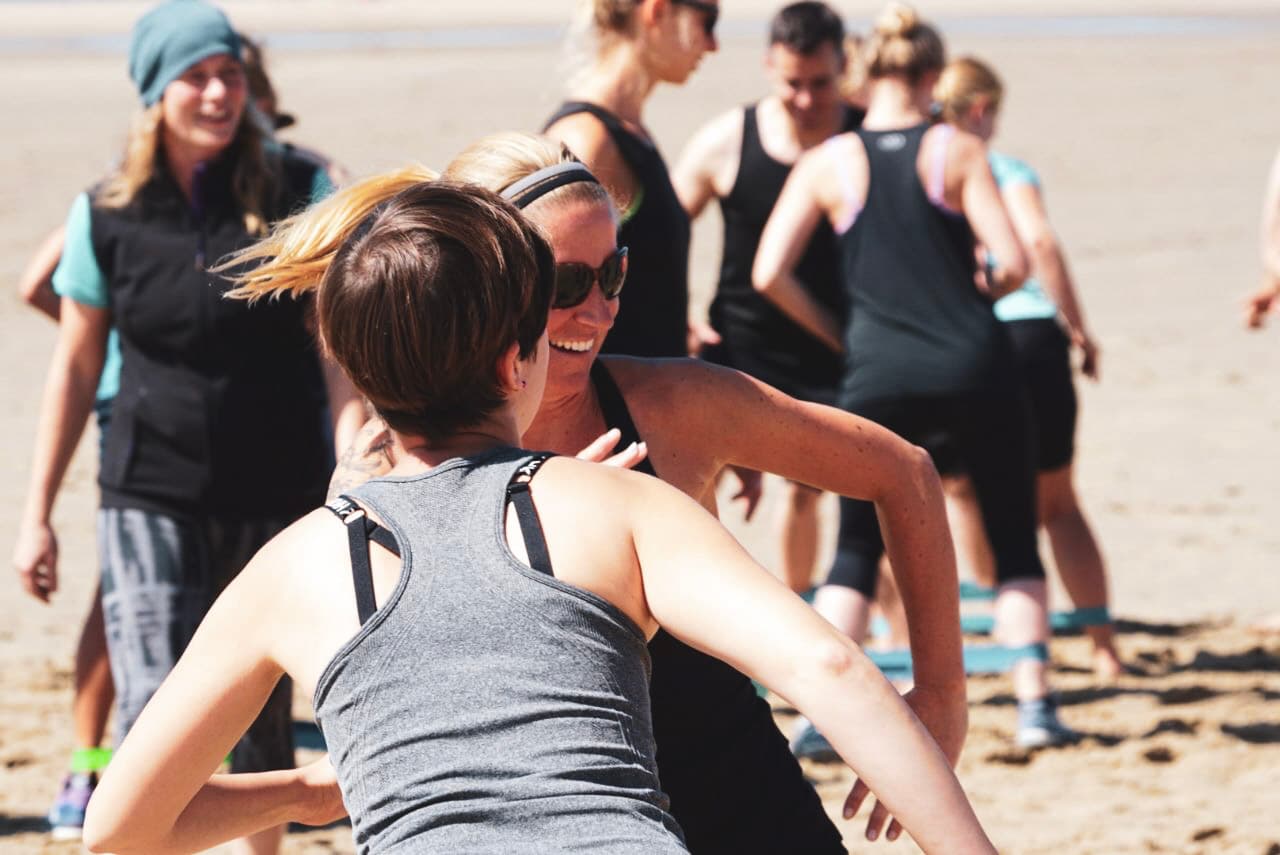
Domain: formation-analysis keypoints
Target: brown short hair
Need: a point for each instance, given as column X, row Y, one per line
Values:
column 426, row 295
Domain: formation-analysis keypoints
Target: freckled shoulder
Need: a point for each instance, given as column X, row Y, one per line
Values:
column 684, row 400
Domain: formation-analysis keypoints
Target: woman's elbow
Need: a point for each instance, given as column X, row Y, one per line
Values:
column 764, row 275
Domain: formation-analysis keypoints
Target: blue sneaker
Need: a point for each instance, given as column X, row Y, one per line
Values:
column 66, row 817
column 1039, row 726
column 808, row 744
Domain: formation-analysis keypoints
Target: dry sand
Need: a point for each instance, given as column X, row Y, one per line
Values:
column 1153, row 147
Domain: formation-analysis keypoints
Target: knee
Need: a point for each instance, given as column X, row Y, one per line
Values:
column 1055, row 499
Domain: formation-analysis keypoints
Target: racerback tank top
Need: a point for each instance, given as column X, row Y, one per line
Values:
column 918, row 324
column 488, row 707
column 653, row 315
column 738, row 312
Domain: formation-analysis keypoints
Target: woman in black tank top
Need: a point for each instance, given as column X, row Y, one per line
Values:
column 925, row 355
column 602, row 124
column 488, row 694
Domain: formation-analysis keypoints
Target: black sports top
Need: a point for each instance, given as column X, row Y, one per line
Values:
column 744, row 318
column 653, row 317
column 733, row 783
column 918, row 326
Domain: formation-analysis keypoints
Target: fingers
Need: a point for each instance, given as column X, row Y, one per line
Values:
column 599, row 449
column 629, row 457
column 879, row 815
column 856, row 796
column 894, row 832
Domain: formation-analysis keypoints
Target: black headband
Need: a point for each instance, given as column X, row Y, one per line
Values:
column 540, row 183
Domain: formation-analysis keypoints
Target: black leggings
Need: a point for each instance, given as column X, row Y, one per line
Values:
column 986, row 434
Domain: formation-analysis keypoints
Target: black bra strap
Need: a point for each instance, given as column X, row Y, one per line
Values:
column 360, row 530
column 535, row 544
column 616, row 413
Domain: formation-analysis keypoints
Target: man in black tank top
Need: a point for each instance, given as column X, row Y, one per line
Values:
column 742, row 159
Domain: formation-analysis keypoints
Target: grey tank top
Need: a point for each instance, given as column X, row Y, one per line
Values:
column 487, row 707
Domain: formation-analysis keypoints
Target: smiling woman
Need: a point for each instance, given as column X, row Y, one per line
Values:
column 190, row 489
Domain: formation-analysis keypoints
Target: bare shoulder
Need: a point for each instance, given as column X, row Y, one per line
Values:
column 965, row 149
column 711, row 157
column 679, row 391
column 589, row 140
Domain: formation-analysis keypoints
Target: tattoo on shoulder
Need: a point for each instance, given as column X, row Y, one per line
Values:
column 367, row 457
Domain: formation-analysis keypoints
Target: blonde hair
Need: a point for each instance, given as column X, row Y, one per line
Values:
column 853, row 83
column 254, row 181
column 293, row 257
column 901, row 45
column 963, row 83
column 500, row 160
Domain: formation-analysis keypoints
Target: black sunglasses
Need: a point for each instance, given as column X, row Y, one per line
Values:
column 710, row 13
column 574, row 279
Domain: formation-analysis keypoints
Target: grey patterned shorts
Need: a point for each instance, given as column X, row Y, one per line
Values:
column 160, row 575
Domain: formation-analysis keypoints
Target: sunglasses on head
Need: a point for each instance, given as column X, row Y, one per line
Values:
column 710, row 13
column 574, row 279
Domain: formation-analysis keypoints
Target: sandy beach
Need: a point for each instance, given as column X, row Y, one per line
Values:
column 1152, row 129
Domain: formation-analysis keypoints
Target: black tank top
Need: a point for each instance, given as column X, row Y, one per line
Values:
column 749, row 322
column 733, row 783
column 918, row 324
column 653, row 316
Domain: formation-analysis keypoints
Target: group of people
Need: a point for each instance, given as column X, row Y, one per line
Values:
column 491, row 673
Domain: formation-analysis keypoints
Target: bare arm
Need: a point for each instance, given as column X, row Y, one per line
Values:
column 983, row 207
column 795, row 215
column 703, row 588
column 850, row 456
column 709, row 163
column 35, row 285
column 1031, row 222
column 64, row 409
column 1263, row 301
column 160, row 794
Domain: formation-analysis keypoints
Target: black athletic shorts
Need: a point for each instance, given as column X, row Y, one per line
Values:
column 1043, row 354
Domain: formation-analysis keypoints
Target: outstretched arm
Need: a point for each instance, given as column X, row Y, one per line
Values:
column 1031, row 223
column 160, row 794
column 702, row 587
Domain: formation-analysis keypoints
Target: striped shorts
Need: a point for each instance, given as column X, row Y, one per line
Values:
column 160, row 575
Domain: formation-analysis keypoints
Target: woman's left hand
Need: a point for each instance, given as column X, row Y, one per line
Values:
column 322, row 803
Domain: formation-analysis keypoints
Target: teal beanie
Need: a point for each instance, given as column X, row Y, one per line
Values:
column 171, row 38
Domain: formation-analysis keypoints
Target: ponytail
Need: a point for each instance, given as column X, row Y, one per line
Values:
column 296, row 253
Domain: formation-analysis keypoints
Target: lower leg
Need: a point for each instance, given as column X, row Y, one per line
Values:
column 844, row 608
column 889, row 601
column 1079, row 560
column 1022, row 620
column 94, row 690
column 974, row 559
column 798, row 532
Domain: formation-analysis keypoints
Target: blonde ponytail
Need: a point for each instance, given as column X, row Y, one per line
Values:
column 296, row 253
